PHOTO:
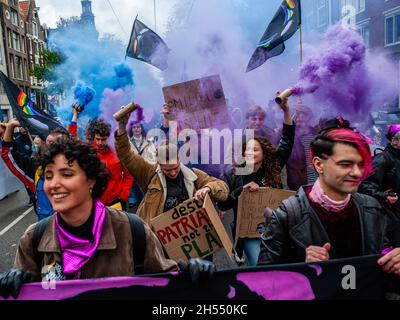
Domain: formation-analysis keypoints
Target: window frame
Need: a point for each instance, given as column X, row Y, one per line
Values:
column 392, row 14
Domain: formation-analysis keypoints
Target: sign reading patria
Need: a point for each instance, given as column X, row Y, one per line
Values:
column 191, row 230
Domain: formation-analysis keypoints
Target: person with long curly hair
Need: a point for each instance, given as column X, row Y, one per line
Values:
column 84, row 239
column 267, row 162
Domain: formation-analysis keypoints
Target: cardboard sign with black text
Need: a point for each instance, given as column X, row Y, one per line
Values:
column 191, row 230
column 198, row 104
column 251, row 206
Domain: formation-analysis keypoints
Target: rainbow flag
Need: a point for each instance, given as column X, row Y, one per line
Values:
column 147, row 46
column 282, row 27
column 35, row 120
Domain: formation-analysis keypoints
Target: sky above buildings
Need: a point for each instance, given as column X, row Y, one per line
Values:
column 106, row 22
column 205, row 37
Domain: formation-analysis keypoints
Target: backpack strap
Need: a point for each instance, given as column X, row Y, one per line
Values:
column 138, row 242
column 293, row 211
column 378, row 151
column 37, row 236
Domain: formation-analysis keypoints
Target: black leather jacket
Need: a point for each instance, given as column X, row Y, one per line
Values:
column 385, row 175
column 282, row 243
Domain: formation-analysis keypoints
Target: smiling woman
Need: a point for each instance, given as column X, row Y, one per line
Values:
column 74, row 178
column 83, row 236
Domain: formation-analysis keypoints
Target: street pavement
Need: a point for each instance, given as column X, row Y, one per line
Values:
column 14, row 220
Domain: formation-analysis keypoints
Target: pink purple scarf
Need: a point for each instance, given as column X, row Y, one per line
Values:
column 77, row 252
column 318, row 196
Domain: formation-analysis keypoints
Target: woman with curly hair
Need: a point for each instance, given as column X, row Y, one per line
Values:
column 267, row 162
column 84, row 238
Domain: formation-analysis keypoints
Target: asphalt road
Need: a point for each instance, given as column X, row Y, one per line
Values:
column 15, row 218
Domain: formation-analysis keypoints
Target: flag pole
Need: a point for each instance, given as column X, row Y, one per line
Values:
column 155, row 17
column 301, row 35
column 299, row 100
column 301, row 49
column 301, row 45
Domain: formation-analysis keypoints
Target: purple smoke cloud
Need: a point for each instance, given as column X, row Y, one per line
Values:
column 342, row 72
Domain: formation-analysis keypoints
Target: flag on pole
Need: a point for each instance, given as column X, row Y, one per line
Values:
column 145, row 45
column 36, row 121
column 284, row 25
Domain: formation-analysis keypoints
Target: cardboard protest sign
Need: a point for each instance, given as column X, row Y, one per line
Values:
column 191, row 230
column 198, row 104
column 250, row 218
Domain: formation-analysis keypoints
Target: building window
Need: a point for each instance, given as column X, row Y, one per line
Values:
column 30, row 45
column 36, row 49
column 358, row 5
column 23, row 44
column 9, row 38
column 392, row 29
column 14, row 17
column 18, row 68
column 12, row 68
column 322, row 13
column 25, row 70
column 16, row 42
column 363, row 30
column 35, row 30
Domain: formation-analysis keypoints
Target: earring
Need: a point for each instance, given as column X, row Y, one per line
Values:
column 90, row 190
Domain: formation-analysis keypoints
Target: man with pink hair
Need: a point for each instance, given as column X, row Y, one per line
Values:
column 329, row 219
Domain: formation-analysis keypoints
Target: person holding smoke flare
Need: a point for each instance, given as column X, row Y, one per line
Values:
column 168, row 182
column 267, row 162
column 329, row 219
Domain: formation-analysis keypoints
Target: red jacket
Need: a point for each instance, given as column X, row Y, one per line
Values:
column 23, row 167
column 120, row 182
column 73, row 129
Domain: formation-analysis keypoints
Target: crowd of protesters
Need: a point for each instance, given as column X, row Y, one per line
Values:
column 346, row 202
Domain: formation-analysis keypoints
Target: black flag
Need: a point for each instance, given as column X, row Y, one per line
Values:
column 147, row 46
column 283, row 25
column 36, row 121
